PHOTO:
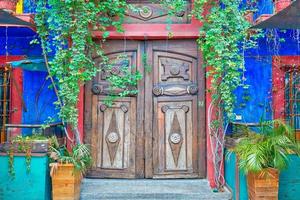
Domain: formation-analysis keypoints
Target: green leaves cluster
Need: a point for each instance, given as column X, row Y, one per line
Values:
column 65, row 28
column 65, row 31
column 268, row 149
column 223, row 39
column 79, row 156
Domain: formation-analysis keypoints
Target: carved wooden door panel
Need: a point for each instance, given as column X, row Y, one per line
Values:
column 113, row 128
column 175, row 92
column 160, row 132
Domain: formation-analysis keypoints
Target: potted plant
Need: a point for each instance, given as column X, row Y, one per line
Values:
column 67, row 168
column 262, row 156
column 9, row 5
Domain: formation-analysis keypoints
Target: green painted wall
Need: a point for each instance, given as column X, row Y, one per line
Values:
column 32, row 186
column 289, row 180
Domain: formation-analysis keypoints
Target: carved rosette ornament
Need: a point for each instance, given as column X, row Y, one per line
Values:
column 115, row 70
column 124, row 108
column 192, row 89
column 165, row 108
column 113, row 137
column 175, row 138
column 103, row 107
column 145, row 12
column 175, row 70
column 97, row 89
column 157, row 90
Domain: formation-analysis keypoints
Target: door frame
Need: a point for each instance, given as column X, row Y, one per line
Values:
column 144, row 133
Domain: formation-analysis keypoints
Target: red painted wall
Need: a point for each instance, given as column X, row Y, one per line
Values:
column 16, row 91
column 278, row 82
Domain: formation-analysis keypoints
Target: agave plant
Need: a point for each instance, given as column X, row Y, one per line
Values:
column 269, row 148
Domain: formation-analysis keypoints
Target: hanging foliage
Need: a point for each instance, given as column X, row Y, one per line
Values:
column 225, row 36
column 65, row 31
column 65, row 28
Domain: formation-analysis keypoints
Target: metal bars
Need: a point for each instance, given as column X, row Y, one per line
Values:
column 4, row 99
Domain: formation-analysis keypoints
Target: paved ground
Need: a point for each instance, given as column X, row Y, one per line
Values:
column 140, row 189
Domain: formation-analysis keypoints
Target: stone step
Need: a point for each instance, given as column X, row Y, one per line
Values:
column 149, row 189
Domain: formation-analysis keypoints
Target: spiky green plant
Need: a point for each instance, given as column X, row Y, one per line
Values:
column 267, row 149
column 79, row 156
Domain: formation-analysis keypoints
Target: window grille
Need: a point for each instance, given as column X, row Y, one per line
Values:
column 292, row 98
column 4, row 98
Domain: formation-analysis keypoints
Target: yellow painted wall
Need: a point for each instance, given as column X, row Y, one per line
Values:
column 19, row 9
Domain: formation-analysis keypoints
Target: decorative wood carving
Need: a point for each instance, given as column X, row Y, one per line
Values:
column 175, row 135
column 175, row 89
column 165, row 108
column 103, row 107
column 116, row 68
column 151, row 12
column 117, row 63
column 112, row 138
column 145, row 12
column 105, row 89
column 97, row 89
column 174, row 69
column 175, row 139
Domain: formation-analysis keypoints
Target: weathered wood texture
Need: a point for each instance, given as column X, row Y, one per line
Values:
column 263, row 186
column 66, row 183
column 158, row 133
column 155, row 13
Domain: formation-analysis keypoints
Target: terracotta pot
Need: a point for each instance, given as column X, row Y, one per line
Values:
column 65, row 182
column 281, row 4
column 263, row 185
column 9, row 5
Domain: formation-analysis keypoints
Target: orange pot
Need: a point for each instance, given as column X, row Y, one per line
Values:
column 263, row 185
column 65, row 182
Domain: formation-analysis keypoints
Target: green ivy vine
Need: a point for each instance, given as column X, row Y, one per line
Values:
column 65, row 29
column 224, row 37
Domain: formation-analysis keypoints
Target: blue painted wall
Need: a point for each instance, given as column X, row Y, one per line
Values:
column 37, row 95
column 255, row 102
column 258, row 76
column 39, row 98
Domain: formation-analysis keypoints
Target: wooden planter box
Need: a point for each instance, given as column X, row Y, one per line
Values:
column 65, row 182
column 263, row 186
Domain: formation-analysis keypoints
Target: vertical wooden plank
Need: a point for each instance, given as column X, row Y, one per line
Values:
column 140, row 107
column 149, row 113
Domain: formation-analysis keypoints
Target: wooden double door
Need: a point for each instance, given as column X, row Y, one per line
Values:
column 160, row 131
